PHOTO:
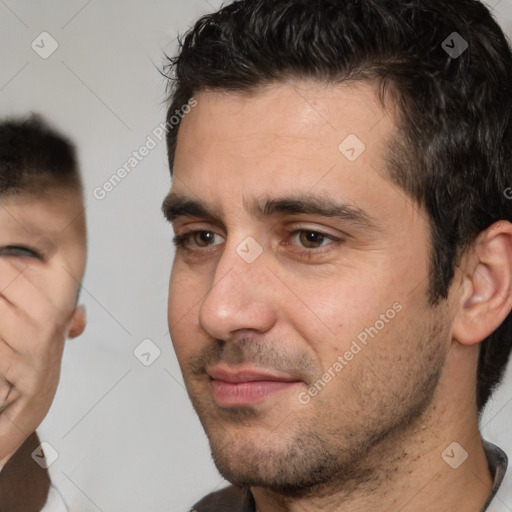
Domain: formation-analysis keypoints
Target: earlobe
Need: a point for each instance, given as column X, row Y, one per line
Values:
column 486, row 299
column 77, row 323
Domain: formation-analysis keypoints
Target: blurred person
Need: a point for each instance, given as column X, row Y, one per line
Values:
column 42, row 262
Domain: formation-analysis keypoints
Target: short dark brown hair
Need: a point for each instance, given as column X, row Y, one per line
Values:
column 34, row 157
column 448, row 67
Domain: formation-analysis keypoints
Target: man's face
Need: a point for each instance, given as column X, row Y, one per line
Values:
column 297, row 300
column 46, row 234
column 44, row 237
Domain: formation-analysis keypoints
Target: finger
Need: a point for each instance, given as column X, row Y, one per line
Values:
column 29, row 377
column 9, row 360
column 27, row 350
column 19, row 331
column 16, row 424
column 8, row 395
column 17, row 287
column 20, row 291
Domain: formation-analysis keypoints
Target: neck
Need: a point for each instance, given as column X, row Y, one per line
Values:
column 408, row 471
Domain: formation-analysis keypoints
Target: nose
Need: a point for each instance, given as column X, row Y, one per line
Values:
column 240, row 298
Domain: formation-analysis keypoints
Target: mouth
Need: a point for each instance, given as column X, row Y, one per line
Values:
column 244, row 386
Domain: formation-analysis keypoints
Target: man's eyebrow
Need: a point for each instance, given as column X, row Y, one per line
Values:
column 310, row 205
column 176, row 205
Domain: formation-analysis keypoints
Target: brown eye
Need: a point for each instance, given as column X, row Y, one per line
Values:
column 194, row 240
column 311, row 239
column 203, row 238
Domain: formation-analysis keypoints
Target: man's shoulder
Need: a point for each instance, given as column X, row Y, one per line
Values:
column 230, row 499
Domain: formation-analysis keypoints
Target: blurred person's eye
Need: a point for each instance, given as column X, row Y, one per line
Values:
column 19, row 251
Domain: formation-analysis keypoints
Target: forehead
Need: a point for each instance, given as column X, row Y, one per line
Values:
column 295, row 138
column 57, row 214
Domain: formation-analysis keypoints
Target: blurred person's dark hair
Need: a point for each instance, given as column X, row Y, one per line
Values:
column 34, row 157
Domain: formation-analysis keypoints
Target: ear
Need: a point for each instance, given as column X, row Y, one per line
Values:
column 486, row 292
column 77, row 322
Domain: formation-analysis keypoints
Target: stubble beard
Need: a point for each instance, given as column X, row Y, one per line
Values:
column 312, row 454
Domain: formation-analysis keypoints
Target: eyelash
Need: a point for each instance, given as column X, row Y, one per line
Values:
column 180, row 241
column 29, row 253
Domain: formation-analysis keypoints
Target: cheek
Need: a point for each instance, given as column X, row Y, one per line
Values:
column 56, row 285
column 183, row 288
column 183, row 312
column 351, row 314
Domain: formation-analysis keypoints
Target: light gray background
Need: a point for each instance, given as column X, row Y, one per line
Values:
column 126, row 435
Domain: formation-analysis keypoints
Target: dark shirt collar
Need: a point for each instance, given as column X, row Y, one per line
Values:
column 498, row 461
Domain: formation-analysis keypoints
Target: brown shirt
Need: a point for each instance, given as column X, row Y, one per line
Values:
column 234, row 499
column 24, row 484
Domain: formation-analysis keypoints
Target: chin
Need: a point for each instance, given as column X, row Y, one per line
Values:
column 291, row 465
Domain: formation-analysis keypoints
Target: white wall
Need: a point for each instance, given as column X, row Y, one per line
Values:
column 126, row 435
